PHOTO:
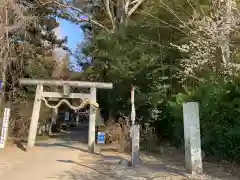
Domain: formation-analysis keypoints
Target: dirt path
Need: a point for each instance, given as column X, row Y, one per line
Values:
column 65, row 159
column 48, row 160
column 40, row 164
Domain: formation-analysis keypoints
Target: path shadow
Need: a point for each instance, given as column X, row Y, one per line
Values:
column 74, row 138
column 108, row 174
column 174, row 161
column 20, row 144
column 109, row 168
column 100, row 171
column 75, row 134
column 68, row 138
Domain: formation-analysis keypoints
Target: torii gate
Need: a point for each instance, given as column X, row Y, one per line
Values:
column 87, row 99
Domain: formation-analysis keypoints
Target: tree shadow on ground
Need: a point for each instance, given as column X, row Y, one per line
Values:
column 95, row 170
column 113, row 171
column 20, row 144
column 75, row 138
column 153, row 167
column 69, row 139
column 176, row 160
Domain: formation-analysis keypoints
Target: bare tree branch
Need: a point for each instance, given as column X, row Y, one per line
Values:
column 107, row 6
column 66, row 6
column 134, row 8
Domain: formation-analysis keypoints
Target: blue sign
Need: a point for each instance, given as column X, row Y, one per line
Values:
column 101, row 138
column 0, row 85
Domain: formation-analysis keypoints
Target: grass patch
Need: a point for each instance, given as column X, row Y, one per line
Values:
column 43, row 137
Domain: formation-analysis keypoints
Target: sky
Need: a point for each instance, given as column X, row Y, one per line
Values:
column 72, row 31
column 74, row 36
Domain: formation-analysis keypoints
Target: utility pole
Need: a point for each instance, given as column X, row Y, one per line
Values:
column 133, row 113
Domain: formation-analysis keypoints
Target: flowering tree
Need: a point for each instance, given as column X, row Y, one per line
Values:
column 210, row 48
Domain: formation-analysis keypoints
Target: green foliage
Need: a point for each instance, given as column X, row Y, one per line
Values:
column 40, row 68
column 219, row 104
column 137, row 54
column 125, row 60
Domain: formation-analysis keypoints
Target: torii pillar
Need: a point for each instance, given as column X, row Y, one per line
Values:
column 92, row 121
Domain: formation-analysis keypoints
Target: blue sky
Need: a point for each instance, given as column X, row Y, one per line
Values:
column 74, row 34
column 72, row 31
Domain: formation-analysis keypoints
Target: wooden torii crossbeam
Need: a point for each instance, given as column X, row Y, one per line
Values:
column 65, row 94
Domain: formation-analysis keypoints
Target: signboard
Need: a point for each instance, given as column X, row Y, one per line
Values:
column 0, row 85
column 101, row 138
column 67, row 116
column 5, row 124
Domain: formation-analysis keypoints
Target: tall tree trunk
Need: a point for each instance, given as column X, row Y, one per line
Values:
column 225, row 48
column 4, row 54
column 4, row 79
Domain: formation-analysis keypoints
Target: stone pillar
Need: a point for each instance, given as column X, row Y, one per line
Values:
column 67, row 116
column 135, row 145
column 77, row 118
column 53, row 121
column 92, row 119
column 193, row 157
column 35, row 117
column 54, row 116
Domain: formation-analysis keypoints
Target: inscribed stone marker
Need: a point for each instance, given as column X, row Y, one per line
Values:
column 135, row 145
column 193, row 157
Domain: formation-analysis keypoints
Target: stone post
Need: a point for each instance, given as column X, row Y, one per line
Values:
column 53, row 121
column 77, row 118
column 135, row 133
column 193, row 157
column 135, row 145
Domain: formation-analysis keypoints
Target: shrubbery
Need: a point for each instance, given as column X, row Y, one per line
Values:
column 219, row 104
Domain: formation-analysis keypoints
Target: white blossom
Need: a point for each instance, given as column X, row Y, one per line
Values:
column 208, row 40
